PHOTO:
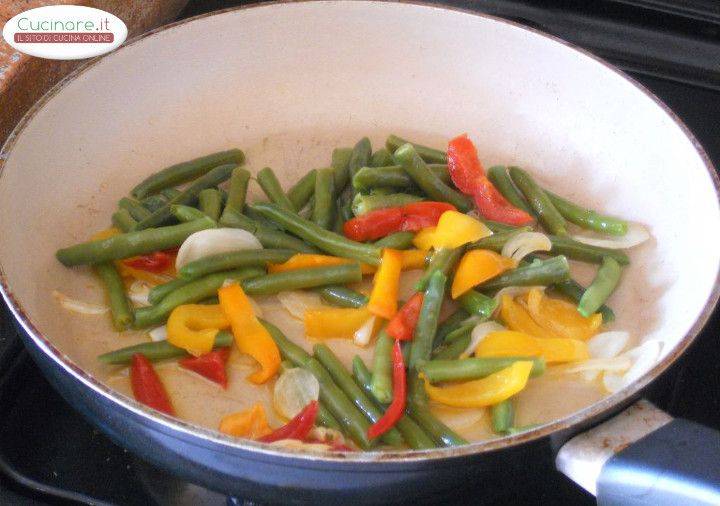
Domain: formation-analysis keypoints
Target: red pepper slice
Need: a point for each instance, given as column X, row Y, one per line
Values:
column 297, row 428
column 411, row 217
column 402, row 325
column 157, row 261
column 397, row 407
column 419, row 215
column 210, row 365
column 146, row 385
column 374, row 225
column 468, row 175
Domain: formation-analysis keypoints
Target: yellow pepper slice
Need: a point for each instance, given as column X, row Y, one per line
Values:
column 485, row 391
column 335, row 322
column 509, row 343
column 305, row 260
column 476, row 266
column 251, row 337
column 384, row 294
column 413, row 259
column 563, row 350
column 250, row 423
column 193, row 327
column 561, row 317
column 516, row 317
column 453, row 229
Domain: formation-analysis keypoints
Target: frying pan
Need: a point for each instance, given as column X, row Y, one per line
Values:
column 287, row 82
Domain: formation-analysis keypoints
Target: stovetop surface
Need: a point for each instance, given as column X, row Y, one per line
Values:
column 50, row 455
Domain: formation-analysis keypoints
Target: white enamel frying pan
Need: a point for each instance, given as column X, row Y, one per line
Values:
column 287, row 82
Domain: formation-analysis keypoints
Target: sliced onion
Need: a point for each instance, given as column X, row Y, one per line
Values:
column 138, row 292
column 364, row 334
column 296, row 302
column 644, row 357
column 608, row 344
column 295, row 389
column 512, row 291
column 158, row 334
column 79, row 306
column 522, row 244
column 326, row 435
column 459, row 419
column 597, row 365
column 636, row 234
column 478, row 334
column 214, row 241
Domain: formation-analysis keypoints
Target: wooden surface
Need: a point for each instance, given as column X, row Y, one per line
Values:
column 24, row 79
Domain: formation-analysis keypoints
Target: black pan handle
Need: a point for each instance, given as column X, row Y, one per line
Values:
column 644, row 457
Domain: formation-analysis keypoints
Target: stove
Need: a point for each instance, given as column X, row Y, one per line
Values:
column 50, row 455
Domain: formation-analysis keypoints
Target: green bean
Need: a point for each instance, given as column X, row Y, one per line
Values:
column 326, row 240
column 344, row 210
column 302, row 191
column 123, row 220
column 417, row 408
column 194, row 291
column 414, row 436
column 342, row 408
column 185, row 171
column 497, row 227
column 189, row 195
column 499, row 177
column 585, row 252
column 430, row 155
column 360, row 156
column 285, row 366
column 478, row 304
column 362, row 401
column 153, row 202
column 130, row 244
column 427, row 181
column 158, row 292
column 340, row 161
column 398, row 240
column 342, row 296
column 233, row 260
column 587, row 218
column 122, row 313
column 160, row 350
column 466, row 369
column 362, row 204
column 210, row 202
column 546, row 212
column 239, row 180
column 503, row 416
column 324, row 206
column 310, row 277
column 496, row 241
column 381, row 158
column 170, row 193
column 574, row 291
column 185, row 214
column 543, row 272
column 267, row 236
column 393, row 176
column 452, row 350
column 606, row 279
column 428, row 320
column 259, row 218
column 463, row 330
column 135, row 208
column 271, row 186
column 381, row 383
column 451, row 323
column 443, row 260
